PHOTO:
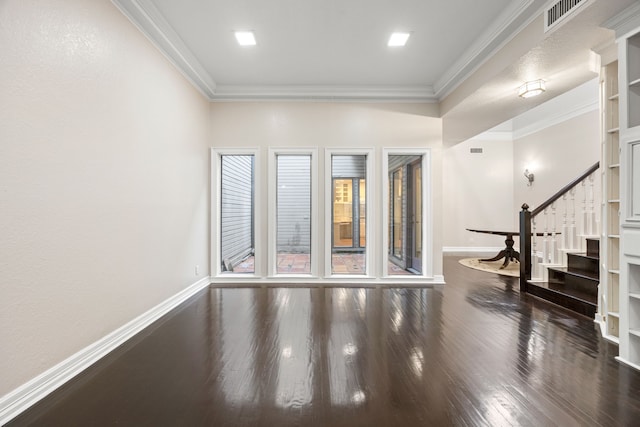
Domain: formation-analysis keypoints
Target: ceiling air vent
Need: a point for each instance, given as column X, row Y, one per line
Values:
column 559, row 11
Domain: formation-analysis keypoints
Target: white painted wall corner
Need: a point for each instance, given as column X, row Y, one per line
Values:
column 20, row 399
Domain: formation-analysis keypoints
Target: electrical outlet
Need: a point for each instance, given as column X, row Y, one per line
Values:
column 197, row 270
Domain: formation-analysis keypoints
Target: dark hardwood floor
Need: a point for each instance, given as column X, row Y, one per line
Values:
column 471, row 353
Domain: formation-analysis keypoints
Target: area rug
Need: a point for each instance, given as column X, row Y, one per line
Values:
column 513, row 269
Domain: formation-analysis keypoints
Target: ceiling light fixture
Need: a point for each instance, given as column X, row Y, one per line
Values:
column 532, row 88
column 245, row 38
column 398, row 39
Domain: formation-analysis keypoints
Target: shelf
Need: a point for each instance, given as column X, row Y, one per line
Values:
column 614, row 339
column 634, row 295
column 634, row 83
column 611, row 202
column 634, row 332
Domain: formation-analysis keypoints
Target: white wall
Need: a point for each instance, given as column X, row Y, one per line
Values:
column 478, row 193
column 103, row 180
column 322, row 125
column 557, row 140
column 556, row 155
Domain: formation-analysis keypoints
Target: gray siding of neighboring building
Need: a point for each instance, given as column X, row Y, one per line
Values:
column 349, row 166
column 236, row 214
column 293, row 204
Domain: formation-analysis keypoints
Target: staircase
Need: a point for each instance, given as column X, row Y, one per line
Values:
column 575, row 286
column 562, row 264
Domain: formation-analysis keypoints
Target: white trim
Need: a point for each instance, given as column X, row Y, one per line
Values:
column 628, row 363
column 427, row 211
column 216, row 170
column 272, row 222
column 625, row 22
column 148, row 19
column 325, row 93
column 552, row 120
column 370, row 248
column 493, row 136
column 338, row 281
column 491, row 41
column 20, row 399
column 568, row 15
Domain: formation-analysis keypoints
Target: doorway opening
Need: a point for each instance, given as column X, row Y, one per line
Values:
column 348, row 214
column 406, row 206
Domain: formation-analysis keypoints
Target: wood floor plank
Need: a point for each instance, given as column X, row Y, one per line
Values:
column 473, row 352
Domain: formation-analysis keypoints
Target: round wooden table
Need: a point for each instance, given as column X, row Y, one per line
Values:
column 508, row 253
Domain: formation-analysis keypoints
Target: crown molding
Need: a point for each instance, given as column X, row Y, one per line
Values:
column 555, row 119
column 494, row 38
column 492, row 135
column 626, row 21
column 423, row 94
column 148, row 19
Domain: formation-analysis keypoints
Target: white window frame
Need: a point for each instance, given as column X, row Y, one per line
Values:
column 370, row 249
column 427, row 213
column 216, row 192
column 272, row 219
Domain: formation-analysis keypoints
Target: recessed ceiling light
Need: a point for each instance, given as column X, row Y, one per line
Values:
column 398, row 39
column 245, row 38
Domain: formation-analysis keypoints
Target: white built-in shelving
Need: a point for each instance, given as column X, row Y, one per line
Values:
column 628, row 247
column 609, row 294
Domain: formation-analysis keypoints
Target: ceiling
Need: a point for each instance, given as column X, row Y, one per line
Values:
column 467, row 55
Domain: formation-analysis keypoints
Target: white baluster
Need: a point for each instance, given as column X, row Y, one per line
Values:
column 592, row 229
column 565, row 224
column 583, row 216
column 554, row 236
column 545, row 238
column 535, row 273
column 572, row 219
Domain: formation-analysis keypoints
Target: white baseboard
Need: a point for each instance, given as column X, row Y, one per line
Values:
column 470, row 251
column 20, row 399
column 319, row 282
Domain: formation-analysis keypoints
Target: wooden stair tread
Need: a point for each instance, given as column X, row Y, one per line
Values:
column 585, row 274
column 573, row 293
column 585, row 255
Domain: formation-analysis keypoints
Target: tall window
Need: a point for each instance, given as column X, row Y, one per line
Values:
column 293, row 214
column 237, row 195
column 349, row 214
column 405, row 214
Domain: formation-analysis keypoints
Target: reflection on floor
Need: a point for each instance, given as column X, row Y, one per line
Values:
column 343, row 263
column 474, row 352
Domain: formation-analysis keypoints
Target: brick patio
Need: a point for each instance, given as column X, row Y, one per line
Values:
column 301, row 264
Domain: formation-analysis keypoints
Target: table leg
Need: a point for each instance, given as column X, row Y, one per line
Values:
column 508, row 253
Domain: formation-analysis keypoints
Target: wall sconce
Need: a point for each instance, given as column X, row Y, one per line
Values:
column 533, row 88
column 529, row 176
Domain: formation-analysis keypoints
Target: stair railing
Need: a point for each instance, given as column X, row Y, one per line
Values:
column 541, row 222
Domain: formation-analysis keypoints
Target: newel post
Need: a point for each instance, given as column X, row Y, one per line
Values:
column 525, row 247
